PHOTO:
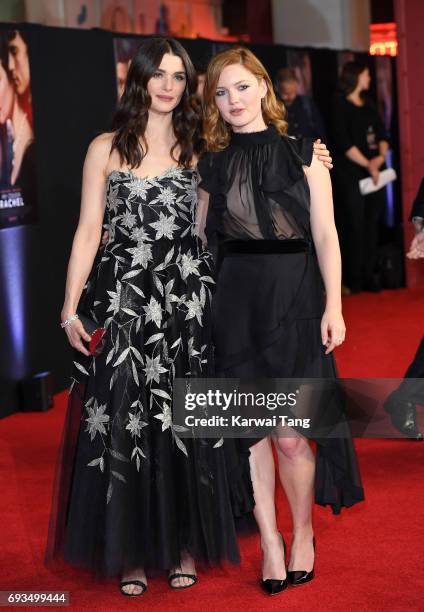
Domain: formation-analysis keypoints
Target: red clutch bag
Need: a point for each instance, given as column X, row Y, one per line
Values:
column 97, row 342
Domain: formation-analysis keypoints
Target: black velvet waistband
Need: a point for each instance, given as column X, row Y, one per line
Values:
column 263, row 247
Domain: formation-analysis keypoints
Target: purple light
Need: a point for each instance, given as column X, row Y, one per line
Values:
column 12, row 278
column 390, row 209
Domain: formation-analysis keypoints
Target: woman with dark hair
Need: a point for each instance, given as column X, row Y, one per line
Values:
column 267, row 209
column 131, row 495
column 360, row 146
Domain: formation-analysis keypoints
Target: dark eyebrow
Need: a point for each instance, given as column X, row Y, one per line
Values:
column 178, row 71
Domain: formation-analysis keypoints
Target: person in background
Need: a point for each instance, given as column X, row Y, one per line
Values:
column 302, row 115
column 20, row 70
column 401, row 404
column 18, row 148
column 7, row 101
column 360, row 146
column 201, row 76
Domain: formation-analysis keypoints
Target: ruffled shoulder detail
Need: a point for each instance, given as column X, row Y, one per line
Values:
column 303, row 147
column 210, row 167
column 285, row 165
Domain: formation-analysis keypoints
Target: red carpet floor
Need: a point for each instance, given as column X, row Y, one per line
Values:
column 369, row 558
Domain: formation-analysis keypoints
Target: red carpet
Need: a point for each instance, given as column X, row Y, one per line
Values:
column 369, row 558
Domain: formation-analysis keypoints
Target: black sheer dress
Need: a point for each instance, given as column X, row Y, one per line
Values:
column 269, row 297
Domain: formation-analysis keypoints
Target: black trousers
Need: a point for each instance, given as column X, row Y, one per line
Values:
column 358, row 221
column 413, row 390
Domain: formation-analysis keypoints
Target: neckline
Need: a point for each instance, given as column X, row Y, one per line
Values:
column 149, row 178
column 364, row 103
column 270, row 134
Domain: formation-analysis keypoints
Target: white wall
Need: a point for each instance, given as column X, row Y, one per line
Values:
column 334, row 24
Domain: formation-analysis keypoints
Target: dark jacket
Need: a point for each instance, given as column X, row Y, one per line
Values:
column 418, row 205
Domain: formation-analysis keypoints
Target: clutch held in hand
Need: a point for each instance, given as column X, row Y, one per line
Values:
column 367, row 185
column 96, row 344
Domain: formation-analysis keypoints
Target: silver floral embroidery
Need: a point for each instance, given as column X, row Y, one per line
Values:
column 135, row 424
column 153, row 369
column 115, row 298
column 141, row 255
column 96, row 419
column 189, row 265
column 165, row 227
column 153, row 312
column 148, row 287
column 194, row 309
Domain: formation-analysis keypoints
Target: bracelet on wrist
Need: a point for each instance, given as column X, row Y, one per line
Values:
column 69, row 321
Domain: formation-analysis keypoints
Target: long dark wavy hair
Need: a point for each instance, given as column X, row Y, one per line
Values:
column 130, row 120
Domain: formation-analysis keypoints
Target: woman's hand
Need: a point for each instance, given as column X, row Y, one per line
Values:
column 416, row 250
column 333, row 329
column 374, row 166
column 323, row 154
column 76, row 334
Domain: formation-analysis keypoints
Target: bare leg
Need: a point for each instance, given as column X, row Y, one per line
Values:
column 186, row 567
column 137, row 574
column 296, row 463
column 262, row 471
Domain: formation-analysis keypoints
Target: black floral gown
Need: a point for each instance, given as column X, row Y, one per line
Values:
column 129, row 491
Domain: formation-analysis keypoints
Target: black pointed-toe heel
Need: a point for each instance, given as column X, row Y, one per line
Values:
column 274, row 586
column 299, row 577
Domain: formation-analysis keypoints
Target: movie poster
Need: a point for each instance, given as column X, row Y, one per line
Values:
column 17, row 147
column 125, row 49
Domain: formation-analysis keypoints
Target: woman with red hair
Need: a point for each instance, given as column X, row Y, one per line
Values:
column 266, row 204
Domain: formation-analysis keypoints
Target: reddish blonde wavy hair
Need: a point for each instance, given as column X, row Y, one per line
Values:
column 216, row 131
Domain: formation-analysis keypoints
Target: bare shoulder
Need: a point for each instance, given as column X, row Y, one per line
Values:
column 194, row 161
column 98, row 151
column 101, row 144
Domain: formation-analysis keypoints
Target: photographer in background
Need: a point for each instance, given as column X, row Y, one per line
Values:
column 401, row 404
column 302, row 116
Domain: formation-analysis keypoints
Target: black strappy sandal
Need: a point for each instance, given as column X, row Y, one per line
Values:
column 177, row 575
column 138, row 583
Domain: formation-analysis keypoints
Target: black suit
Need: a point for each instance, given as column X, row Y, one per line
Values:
column 418, row 205
column 414, row 391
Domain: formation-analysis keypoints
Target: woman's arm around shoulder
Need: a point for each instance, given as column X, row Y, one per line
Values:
column 201, row 214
